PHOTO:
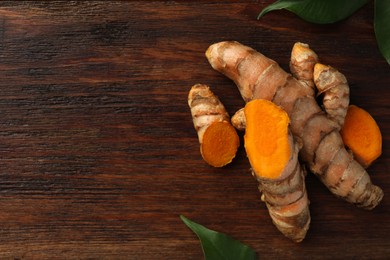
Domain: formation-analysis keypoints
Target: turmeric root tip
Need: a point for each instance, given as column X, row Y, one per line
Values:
column 362, row 135
column 238, row 120
column 302, row 63
column 334, row 86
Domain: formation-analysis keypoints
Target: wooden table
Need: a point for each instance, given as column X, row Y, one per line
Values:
column 98, row 155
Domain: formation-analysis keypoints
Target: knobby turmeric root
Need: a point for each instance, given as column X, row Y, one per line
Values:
column 302, row 62
column 333, row 85
column 323, row 151
column 362, row 135
column 217, row 137
column 238, row 120
column 273, row 156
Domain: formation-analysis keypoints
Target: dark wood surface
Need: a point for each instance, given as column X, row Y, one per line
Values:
column 98, row 155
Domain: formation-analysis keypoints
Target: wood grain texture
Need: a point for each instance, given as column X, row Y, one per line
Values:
column 98, row 155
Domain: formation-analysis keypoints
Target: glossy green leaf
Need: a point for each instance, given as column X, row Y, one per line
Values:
column 382, row 27
column 317, row 11
column 218, row 246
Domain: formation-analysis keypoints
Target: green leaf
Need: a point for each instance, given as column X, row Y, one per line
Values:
column 218, row 246
column 317, row 11
column 382, row 27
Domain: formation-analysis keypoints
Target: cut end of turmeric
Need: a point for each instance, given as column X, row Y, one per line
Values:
column 220, row 144
column 266, row 138
column 362, row 135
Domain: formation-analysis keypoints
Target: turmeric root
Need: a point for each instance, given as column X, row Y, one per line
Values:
column 362, row 135
column 259, row 77
column 336, row 92
column 302, row 62
column 217, row 137
column 275, row 165
column 238, row 120
column 305, row 66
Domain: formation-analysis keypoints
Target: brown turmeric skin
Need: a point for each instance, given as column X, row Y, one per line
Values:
column 362, row 135
column 275, row 166
column 302, row 62
column 334, row 87
column 238, row 120
column 217, row 137
column 259, row 77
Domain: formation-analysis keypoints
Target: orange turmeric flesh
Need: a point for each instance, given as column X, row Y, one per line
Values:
column 220, row 144
column 267, row 138
column 362, row 135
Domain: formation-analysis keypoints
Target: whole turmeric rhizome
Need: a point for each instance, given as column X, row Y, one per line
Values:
column 283, row 122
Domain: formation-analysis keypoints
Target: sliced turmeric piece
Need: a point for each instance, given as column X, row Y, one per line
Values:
column 217, row 137
column 266, row 138
column 362, row 135
column 220, row 143
column 273, row 155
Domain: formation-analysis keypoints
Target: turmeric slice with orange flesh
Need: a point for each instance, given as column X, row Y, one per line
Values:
column 273, row 155
column 220, row 143
column 217, row 137
column 266, row 138
column 361, row 134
